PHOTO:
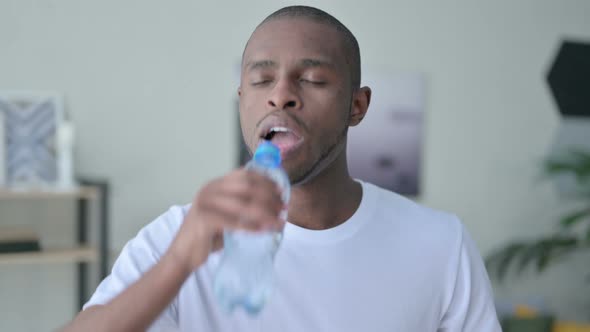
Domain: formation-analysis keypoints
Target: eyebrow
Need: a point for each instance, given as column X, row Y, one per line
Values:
column 316, row 63
column 308, row 62
column 260, row 64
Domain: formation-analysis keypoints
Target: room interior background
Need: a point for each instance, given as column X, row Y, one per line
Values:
column 150, row 89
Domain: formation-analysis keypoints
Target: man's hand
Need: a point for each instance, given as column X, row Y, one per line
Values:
column 242, row 200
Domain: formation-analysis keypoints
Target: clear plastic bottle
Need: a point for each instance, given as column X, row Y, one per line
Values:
column 244, row 277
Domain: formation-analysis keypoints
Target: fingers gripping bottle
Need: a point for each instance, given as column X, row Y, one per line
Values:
column 244, row 277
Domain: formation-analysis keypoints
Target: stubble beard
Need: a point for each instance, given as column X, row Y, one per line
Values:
column 326, row 157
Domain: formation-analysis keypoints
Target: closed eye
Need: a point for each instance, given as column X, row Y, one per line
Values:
column 260, row 82
column 314, row 82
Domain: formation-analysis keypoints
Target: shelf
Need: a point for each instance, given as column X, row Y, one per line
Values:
column 52, row 256
column 87, row 192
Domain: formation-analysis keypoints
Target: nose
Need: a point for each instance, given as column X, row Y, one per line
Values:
column 284, row 96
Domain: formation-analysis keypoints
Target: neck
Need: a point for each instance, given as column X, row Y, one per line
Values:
column 327, row 200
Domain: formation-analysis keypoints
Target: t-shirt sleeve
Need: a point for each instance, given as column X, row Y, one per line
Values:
column 136, row 258
column 472, row 303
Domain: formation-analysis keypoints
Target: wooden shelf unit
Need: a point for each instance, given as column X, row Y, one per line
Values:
column 51, row 256
column 83, row 192
column 81, row 254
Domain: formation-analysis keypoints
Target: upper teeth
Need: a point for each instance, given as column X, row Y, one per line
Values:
column 278, row 129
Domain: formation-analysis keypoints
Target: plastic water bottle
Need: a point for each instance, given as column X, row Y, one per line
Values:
column 244, row 277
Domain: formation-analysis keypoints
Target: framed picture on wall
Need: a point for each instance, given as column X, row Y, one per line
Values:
column 386, row 147
column 30, row 121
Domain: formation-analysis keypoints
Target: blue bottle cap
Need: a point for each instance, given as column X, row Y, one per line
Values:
column 268, row 154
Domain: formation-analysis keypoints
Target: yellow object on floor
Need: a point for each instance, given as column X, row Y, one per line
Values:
column 524, row 311
column 570, row 327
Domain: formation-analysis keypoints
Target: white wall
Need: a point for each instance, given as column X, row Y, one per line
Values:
column 150, row 87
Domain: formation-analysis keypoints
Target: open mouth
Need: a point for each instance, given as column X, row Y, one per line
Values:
column 284, row 138
column 276, row 131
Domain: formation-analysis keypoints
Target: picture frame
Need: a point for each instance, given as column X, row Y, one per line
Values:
column 386, row 147
column 31, row 122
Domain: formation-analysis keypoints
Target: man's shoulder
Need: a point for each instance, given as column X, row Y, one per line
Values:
column 159, row 233
column 412, row 217
column 169, row 221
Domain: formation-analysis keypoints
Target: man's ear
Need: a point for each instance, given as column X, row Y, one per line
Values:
column 360, row 105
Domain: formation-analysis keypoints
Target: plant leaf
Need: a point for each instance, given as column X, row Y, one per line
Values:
column 543, row 258
column 499, row 262
column 574, row 218
column 554, row 247
column 529, row 254
column 575, row 161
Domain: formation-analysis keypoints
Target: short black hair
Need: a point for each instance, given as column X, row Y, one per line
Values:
column 351, row 46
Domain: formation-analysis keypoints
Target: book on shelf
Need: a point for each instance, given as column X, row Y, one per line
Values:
column 18, row 239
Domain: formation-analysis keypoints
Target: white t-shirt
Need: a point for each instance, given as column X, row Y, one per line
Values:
column 393, row 266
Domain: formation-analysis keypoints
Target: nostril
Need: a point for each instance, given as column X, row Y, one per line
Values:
column 290, row 104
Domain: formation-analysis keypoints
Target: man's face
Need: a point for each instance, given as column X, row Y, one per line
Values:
column 296, row 91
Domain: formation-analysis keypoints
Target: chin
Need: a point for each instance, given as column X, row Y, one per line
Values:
column 303, row 174
column 294, row 173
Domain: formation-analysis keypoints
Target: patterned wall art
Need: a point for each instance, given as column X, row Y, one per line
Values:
column 30, row 121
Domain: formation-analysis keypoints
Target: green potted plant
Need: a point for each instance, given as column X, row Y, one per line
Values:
column 572, row 234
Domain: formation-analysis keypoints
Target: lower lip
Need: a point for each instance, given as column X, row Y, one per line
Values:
column 288, row 149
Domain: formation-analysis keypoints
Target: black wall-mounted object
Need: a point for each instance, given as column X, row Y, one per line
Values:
column 569, row 79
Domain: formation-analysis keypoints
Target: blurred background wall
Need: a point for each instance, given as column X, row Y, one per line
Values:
column 150, row 87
